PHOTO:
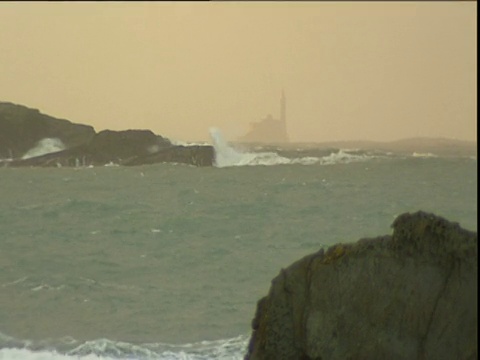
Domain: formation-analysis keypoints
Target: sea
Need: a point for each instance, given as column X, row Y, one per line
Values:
column 168, row 261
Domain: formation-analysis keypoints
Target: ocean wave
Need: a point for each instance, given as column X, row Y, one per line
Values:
column 343, row 157
column 105, row 349
column 25, row 354
column 45, row 146
column 424, row 155
column 227, row 156
column 188, row 143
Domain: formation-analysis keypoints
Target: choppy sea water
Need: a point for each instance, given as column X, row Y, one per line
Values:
column 168, row 261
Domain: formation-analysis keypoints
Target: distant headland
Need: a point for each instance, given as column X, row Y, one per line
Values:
column 30, row 138
column 272, row 132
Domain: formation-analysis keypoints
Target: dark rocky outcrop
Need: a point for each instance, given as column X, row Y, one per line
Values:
column 22, row 128
column 117, row 146
column 412, row 295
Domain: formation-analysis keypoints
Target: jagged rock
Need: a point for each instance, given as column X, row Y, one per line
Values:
column 81, row 156
column 21, row 128
column 412, row 295
column 121, row 146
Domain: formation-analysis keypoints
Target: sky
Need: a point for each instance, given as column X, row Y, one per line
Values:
column 377, row 71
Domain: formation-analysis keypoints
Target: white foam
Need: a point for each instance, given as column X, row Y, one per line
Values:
column 45, row 146
column 25, row 354
column 187, row 143
column 104, row 349
column 111, row 164
column 226, row 156
column 342, row 157
column 18, row 281
column 424, row 155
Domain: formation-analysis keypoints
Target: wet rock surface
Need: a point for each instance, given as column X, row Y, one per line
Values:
column 411, row 295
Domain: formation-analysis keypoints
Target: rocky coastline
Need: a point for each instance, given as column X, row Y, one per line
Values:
column 411, row 295
column 23, row 129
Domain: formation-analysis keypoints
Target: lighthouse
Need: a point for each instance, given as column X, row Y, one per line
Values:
column 269, row 130
column 283, row 115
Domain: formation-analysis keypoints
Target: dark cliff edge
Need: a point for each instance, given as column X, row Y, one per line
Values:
column 411, row 295
column 22, row 129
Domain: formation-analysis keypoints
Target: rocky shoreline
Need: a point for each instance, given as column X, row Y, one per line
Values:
column 411, row 295
column 23, row 129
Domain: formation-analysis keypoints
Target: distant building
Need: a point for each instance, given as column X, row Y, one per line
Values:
column 269, row 130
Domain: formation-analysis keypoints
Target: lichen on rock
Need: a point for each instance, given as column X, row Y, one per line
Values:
column 411, row 295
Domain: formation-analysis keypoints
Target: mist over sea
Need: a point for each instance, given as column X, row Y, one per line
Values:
column 167, row 261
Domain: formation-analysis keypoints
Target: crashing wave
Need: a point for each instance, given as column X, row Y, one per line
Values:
column 424, row 155
column 226, row 156
column 45, row 146
column 104, row 349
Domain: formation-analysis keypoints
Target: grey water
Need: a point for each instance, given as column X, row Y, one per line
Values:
column 167, row 261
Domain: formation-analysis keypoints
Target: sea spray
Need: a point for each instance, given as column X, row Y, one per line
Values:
column 226, row 155
column 45, row 146
column 104, row 349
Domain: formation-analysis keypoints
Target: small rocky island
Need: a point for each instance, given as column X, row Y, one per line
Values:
column 412, row 295
column 30, row 138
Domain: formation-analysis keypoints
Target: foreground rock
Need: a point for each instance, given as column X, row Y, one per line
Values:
column 25, row 132
column 412, row 295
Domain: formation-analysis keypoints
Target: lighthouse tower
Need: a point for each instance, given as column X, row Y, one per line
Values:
column 269, row 130
column 283, row 116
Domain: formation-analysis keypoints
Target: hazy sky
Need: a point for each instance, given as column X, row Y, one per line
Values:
column 366, row 70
